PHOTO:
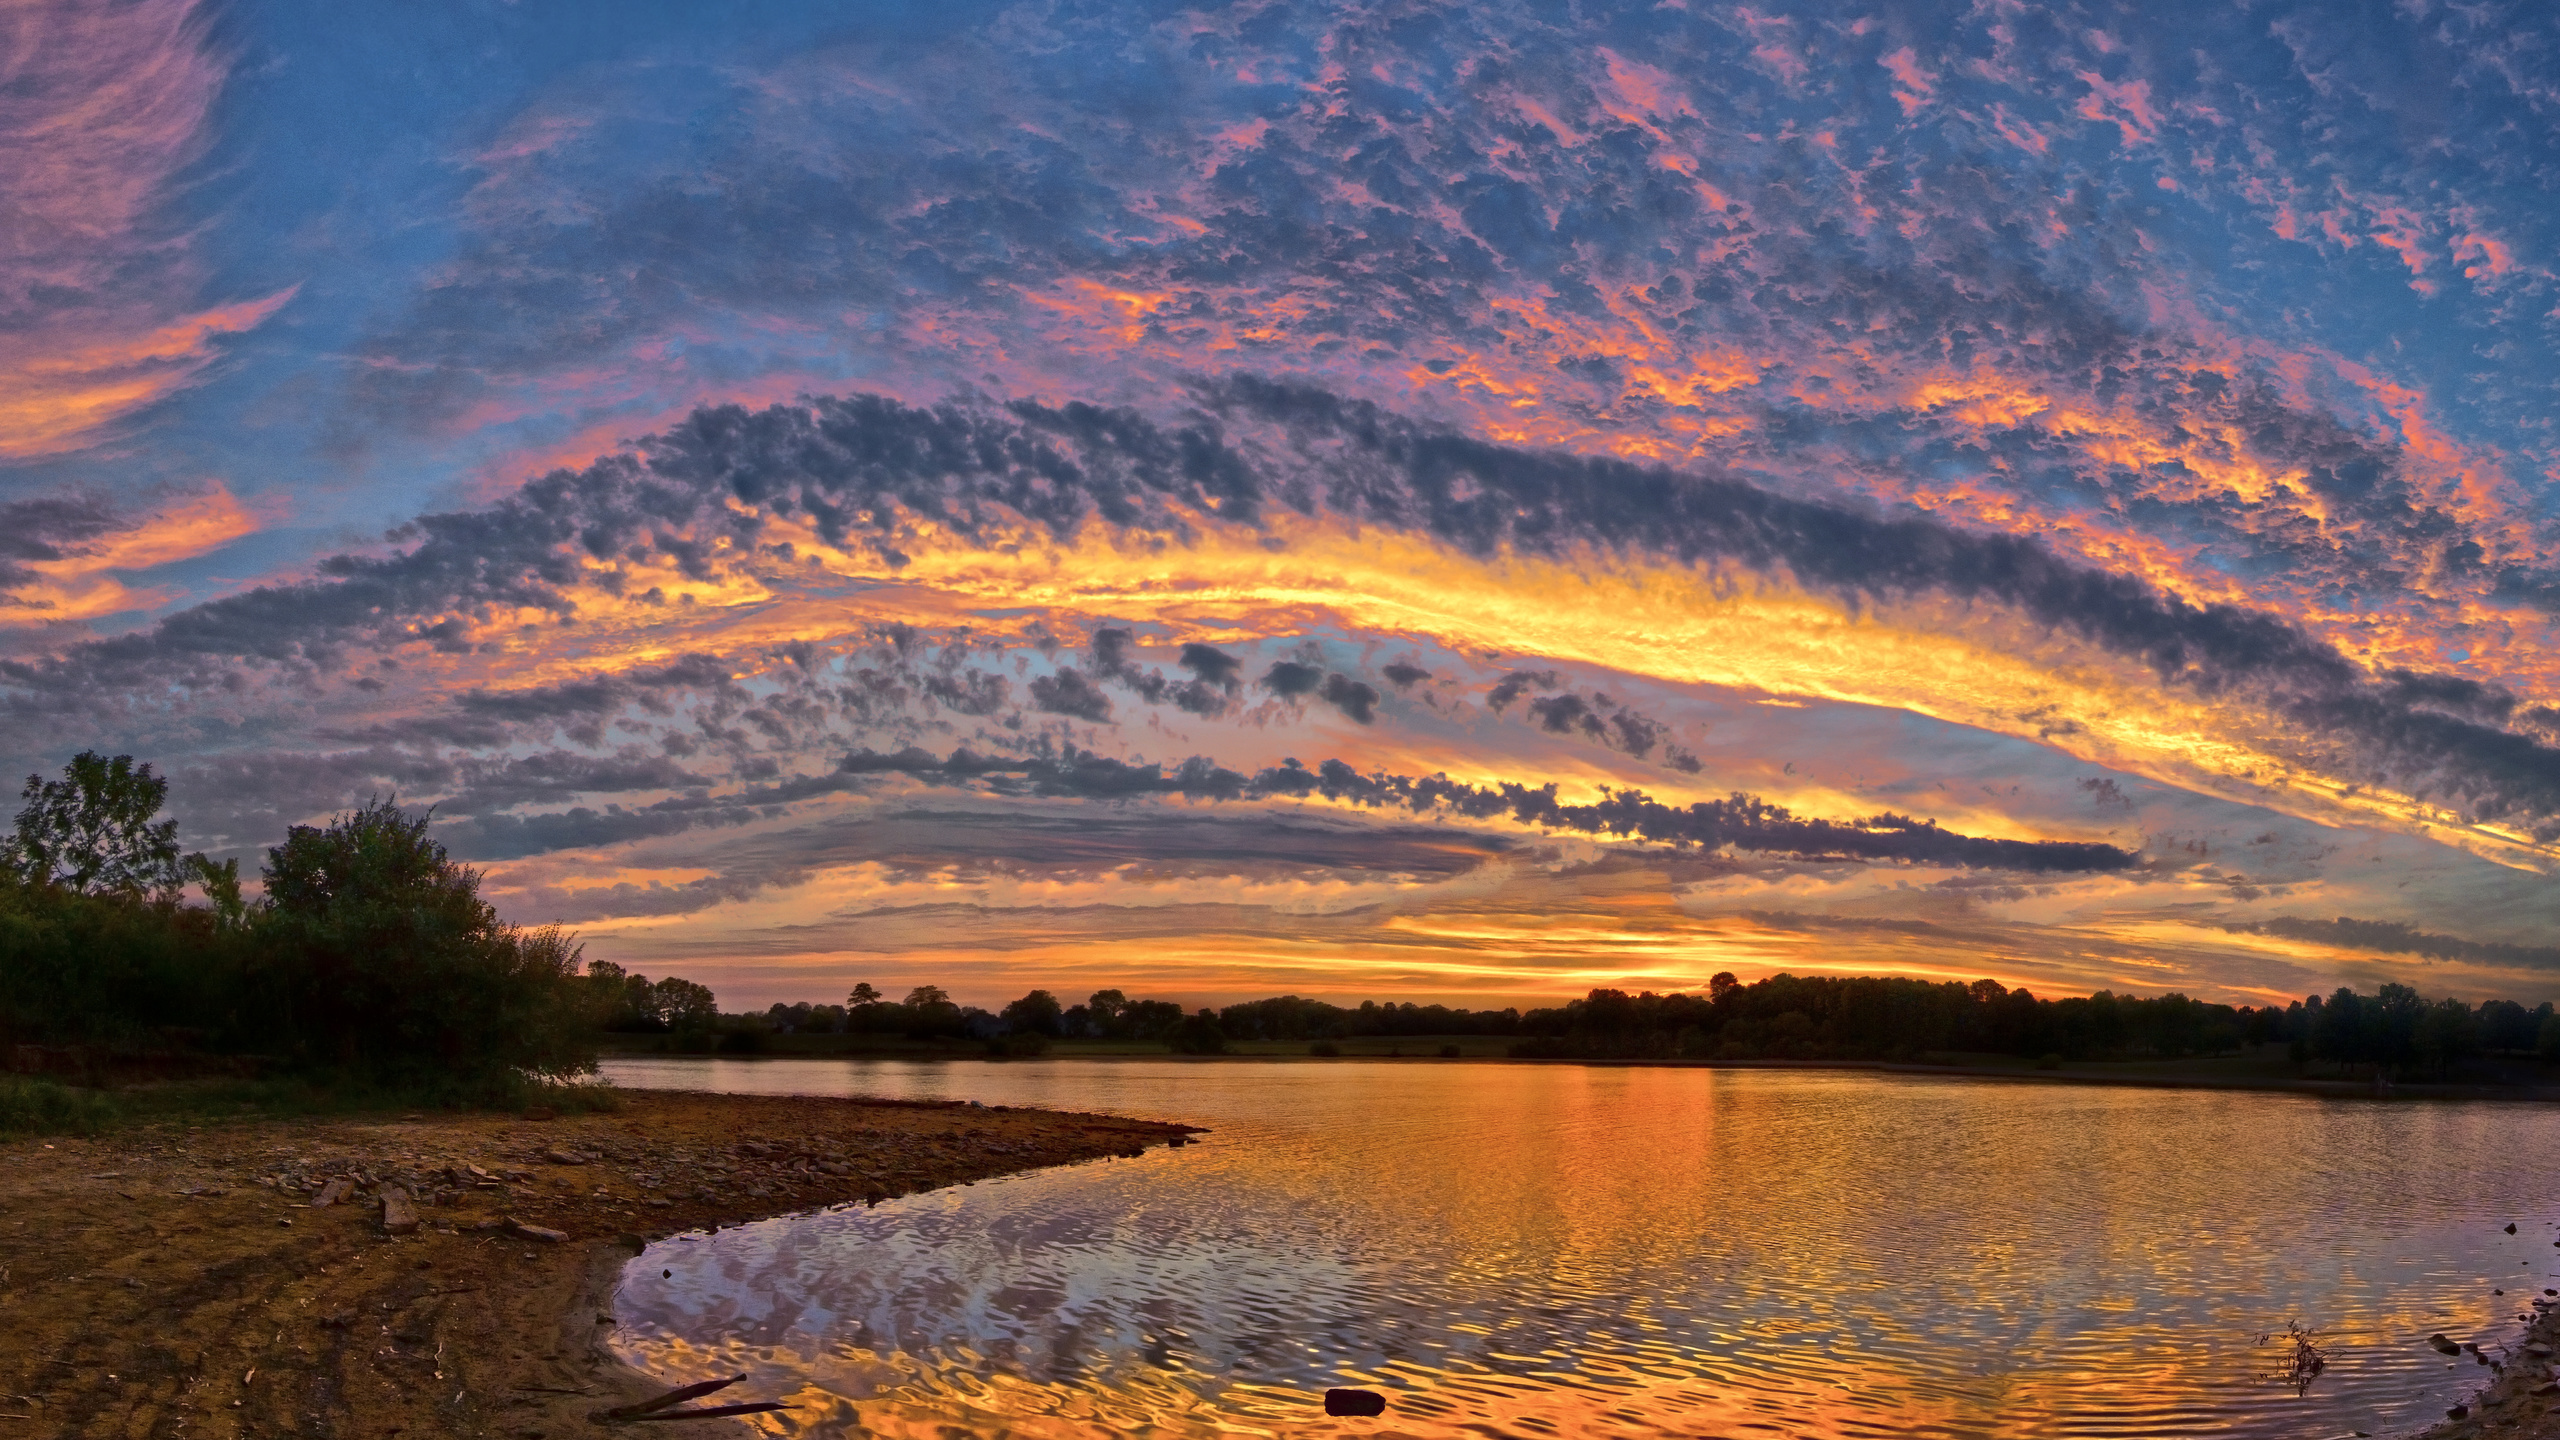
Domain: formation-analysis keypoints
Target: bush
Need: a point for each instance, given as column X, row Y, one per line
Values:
column 42, row 1107
column 1020, row 1045
column 381, row 959
column 1325, row 1048
column 743, row 1042
column 1448, row 1052
column 112, row 971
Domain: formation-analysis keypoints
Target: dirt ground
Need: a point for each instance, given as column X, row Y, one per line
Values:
column 181, row 1280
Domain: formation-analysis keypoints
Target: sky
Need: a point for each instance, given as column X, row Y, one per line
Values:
column 1393, row 501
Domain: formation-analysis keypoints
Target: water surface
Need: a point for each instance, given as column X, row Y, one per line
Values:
column 1555, row 1251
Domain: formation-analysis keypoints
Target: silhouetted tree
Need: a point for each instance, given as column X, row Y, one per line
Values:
column 93, row 831
column 389, row 962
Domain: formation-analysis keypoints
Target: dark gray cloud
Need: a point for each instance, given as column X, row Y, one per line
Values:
column 1292, row 680
column 970, row 692
column 1289, row 680
column 1070, row 694
column 2388, row 937
column 46, row 528
column 862, row 470
column 1739, row 822
column 1353, row 698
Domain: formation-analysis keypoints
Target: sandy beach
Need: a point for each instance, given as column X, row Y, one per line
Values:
column 182, row 1280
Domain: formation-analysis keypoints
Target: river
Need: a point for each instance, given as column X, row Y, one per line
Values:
column 1555, row 1251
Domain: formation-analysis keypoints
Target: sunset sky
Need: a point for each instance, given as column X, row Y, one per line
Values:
column 1461, row 502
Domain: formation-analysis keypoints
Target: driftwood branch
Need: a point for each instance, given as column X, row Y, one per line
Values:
column 662, row 1407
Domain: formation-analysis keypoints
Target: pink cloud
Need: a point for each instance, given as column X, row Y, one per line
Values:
column 2126, row 103
column 1913, row 86
column 100, row 107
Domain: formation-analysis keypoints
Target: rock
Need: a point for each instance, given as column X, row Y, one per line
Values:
column 2457, row 1412
column 543, row 1233
column 2442, row 1345
column 2511, row 1228
column 398, row 1216
column 2538, row 1350
column 333, row 1192
column 564, row 1157
column 2547, row 1387
column 1354, row 1402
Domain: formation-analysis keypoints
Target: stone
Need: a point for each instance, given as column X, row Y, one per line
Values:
column 1354, row 1402
column 333, row 1192
column 543, row 1233
column 564, row 1157
column 399, row 1217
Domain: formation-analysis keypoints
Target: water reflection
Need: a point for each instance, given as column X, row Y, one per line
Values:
column 1545, row 1251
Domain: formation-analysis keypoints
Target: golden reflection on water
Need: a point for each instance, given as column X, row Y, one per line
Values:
column 1551, row 1251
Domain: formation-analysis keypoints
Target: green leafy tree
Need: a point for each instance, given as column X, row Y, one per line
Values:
column 390, row 963
column 93, row 831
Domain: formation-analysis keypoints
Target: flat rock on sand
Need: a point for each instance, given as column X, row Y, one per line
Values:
column 179, row 1281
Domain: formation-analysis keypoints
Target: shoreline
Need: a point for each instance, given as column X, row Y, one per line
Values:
column 179, row 1279
column 2166, row 1080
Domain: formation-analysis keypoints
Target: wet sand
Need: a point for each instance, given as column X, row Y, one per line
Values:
column 179, row 1281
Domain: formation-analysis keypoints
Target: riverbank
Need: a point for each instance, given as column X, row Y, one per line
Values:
column 182, row 1280
column 2256, row 1073
column 2521, row 1403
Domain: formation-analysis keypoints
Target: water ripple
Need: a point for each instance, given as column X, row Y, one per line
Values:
column 1550, row 1251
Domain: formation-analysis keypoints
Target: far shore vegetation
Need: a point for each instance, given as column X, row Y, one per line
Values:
column 368, row 973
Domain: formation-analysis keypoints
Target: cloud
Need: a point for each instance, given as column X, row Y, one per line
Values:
column 100, row 110
column 864, row 474
column 2390, row 937
column 1740, row 821
column 1070, row 694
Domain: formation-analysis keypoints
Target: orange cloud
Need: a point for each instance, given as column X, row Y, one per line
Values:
column 61, row 392
column 86, row 584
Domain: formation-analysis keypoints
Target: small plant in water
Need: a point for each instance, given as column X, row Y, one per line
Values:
column 2304, row 1360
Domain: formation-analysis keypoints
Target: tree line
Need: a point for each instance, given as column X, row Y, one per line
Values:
column 1782, row 1017
column 370, row 954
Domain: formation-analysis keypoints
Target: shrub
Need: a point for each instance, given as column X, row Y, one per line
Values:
column 1324, row 1048
column 1448, row 1052
column 42, row 1107
column 381, row 958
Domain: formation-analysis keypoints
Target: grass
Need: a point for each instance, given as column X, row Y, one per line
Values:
column 40, row 1106
column 45, row 1107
